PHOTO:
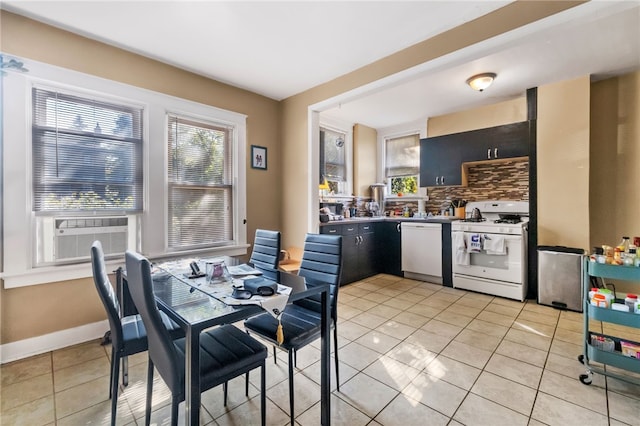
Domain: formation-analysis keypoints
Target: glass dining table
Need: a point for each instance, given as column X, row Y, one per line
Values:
column 194, row 310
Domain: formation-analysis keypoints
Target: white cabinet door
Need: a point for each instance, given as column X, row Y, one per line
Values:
column 422, row 248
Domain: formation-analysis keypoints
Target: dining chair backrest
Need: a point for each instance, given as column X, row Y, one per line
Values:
column 321, row 262
column 162, row 351
column 106, row 293
column 266, row 253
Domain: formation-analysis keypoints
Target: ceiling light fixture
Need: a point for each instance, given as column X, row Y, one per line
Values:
column 480, row 82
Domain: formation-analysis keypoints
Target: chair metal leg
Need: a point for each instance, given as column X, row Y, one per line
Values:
column 125, row 371
column 263, row 394
column 295, row 358
column 291, row 385
column 224, row 389
column 246, row 385
column 114, row 370
column 147, row 412
column 335, row 354
column 275, row 357
column 113, row 392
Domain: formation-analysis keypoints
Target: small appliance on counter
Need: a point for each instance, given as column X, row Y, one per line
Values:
column 326, row 215
column 332, row 207
column 376, row 206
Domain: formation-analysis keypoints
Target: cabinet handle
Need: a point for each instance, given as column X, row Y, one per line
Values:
column 398, row 227
column 437, row 180
column 441, row 180
column 489, row 154
column 332, row 231
column 361, row 239
column 495, row 153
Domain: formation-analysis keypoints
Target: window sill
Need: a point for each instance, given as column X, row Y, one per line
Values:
column 54, row 274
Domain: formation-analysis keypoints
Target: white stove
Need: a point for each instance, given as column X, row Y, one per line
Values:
column 490, row 256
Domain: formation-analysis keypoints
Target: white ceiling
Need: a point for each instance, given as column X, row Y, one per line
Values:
column 279, row 49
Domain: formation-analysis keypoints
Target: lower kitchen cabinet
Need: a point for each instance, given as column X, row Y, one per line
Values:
column 390, row 247
column 359, row 249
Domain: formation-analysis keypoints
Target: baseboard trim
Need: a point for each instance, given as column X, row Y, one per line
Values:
column 14, row 351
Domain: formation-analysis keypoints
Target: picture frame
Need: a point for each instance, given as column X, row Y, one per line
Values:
column 258, row 157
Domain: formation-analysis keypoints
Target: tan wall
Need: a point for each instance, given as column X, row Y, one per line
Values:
column 563, row 163
column 614, row 197
column 274, row 200
column 295, row 133
column 506, row 112
column 365, row 140
column 36, row 310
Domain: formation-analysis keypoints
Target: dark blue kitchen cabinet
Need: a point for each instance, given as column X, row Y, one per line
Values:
column 390, row 247
column 441, row 157
column 440, row 162
column 495, row 143
column 359, row 249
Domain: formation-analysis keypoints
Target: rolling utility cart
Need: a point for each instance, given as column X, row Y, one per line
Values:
column 597, row 349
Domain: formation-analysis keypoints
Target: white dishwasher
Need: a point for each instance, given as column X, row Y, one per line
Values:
column 422, row 251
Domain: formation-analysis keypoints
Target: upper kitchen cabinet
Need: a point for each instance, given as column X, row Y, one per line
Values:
column 495, row 143
column 440, row 161
column 441, row 157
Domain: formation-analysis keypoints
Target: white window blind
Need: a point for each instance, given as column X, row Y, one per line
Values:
column 333, row 164
column 200, row 178
column 402, row 156
column 87, row 154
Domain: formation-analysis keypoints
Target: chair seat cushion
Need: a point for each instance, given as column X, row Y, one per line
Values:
column 299, row 325
column 224, row 351
column 134, row 334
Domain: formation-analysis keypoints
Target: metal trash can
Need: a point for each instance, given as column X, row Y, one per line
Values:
column 560, row 277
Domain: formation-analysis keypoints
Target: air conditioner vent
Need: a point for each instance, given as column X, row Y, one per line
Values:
column 74, row 236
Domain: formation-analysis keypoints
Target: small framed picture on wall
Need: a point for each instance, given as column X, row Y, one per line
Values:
column 258, row 157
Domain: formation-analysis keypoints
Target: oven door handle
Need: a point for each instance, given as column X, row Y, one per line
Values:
column 507, row 237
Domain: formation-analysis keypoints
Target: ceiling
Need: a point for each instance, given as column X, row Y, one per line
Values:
column 279, row 49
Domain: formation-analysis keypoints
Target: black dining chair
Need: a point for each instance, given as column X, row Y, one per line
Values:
column 225, row 351
column 266, row 253
column 128, row 335
column 321, row 263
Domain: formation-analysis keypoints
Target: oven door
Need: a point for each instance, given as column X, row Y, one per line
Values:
column 508, row 267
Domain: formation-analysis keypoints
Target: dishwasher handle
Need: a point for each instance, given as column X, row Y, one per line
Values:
column 420, row 225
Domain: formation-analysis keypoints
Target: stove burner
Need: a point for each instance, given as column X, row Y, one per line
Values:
column 512, row 221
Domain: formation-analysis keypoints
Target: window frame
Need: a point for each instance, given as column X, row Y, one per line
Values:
column 19, row 221
column 136, row 143
column 387, row 179
column 346, row 130
column 172, row 184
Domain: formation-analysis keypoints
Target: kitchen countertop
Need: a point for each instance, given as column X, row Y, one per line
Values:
column 428, row 219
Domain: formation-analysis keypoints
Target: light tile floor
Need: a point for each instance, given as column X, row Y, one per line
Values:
column 411, row 353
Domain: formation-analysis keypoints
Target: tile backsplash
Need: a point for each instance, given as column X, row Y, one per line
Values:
column 507, row 180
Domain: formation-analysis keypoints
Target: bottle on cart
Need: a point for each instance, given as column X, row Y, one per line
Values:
column 624, row 245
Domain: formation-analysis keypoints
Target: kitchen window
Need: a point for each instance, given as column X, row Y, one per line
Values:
column 402, row 165
column 333, row 160
column 200, row 196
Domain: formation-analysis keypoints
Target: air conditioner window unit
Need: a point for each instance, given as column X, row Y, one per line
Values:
column 68, row 240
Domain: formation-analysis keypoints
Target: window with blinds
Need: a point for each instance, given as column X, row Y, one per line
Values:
column 402, row 164
column 87, row 154
column 333, row 165
column 200, row 179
